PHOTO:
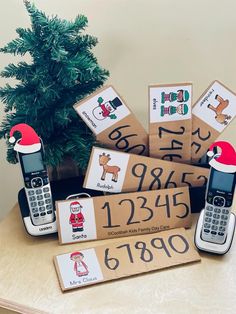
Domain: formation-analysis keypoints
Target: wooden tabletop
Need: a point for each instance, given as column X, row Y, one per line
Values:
column 29, row 284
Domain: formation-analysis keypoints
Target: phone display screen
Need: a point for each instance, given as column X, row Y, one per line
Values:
column 33, row 162
column 222, row 181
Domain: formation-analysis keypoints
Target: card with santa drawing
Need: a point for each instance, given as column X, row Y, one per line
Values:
column 112, row 122
column 212, row 113
column 170, row 107
column 119, row 215
column 76, row 220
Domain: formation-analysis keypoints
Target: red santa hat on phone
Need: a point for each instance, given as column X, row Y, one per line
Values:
column 29, row 142
column 226, row 160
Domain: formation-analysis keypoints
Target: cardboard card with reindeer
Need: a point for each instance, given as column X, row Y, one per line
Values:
column 170, row 124
column 115, row 172
column 212, row 113
column 112, row 122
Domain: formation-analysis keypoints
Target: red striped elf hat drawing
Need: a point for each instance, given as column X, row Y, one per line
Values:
column 29, row 141
column 226, row 160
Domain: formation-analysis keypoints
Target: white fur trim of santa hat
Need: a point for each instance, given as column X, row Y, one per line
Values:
column 222, row 167
column 27, row 149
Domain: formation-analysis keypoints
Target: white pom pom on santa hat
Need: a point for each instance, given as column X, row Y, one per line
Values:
column 12, row 139
column 210, row 153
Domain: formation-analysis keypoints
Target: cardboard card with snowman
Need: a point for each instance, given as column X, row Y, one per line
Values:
column 170, row 121
column 112, row 122
column 212, row 113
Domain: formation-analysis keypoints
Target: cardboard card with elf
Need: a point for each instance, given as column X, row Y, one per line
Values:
column 170, row 121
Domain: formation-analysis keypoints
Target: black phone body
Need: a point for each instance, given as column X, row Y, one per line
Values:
column 219, row 200
column 37, row 187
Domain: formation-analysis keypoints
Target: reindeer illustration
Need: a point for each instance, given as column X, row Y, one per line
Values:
column 220, row 117
column 103, row 160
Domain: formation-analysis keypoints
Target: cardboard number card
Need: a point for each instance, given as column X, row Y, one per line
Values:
column 212, row 113
column 109, row 118
column 113, row 171
column 170, row 121
column 126, row 257
column 122, row 214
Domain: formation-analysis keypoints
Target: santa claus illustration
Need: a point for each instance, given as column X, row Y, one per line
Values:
column 181, row 96
column 80, row 268
column 181, row 109
column 106, row 109
column 76, row 217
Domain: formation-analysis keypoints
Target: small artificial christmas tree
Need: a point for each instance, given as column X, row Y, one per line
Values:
column 63, row 70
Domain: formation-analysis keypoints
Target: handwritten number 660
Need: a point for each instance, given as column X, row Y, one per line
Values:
column 123, row 142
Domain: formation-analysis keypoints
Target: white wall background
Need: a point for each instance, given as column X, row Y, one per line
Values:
column 140, row 42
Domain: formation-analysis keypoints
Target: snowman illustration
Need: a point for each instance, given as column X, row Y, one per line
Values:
column 106, row 109
column 181, row 109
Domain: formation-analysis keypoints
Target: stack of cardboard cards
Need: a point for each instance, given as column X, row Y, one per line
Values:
column 158, row 185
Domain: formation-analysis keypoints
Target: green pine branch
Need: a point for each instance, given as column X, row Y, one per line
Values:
column 62, row 70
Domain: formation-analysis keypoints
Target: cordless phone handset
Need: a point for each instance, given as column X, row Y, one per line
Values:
column 219, row 193
column 35, row 175
column 219, row 199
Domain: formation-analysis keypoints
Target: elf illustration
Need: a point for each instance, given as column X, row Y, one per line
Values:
column 76, row 218
column 106, row 109
column 181, row 109
column 80, row 268
column 103, row 160
column 223, row 104
column 181, row 96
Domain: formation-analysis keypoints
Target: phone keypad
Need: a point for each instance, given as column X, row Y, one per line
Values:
column 216, row 220
column 40, row 201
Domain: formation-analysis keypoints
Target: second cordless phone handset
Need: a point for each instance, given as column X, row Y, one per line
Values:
column 219, row 200
column 216, row 224
column 35, row 175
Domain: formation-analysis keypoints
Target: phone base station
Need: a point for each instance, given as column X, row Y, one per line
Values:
column 60, row 191
column 210, row 247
